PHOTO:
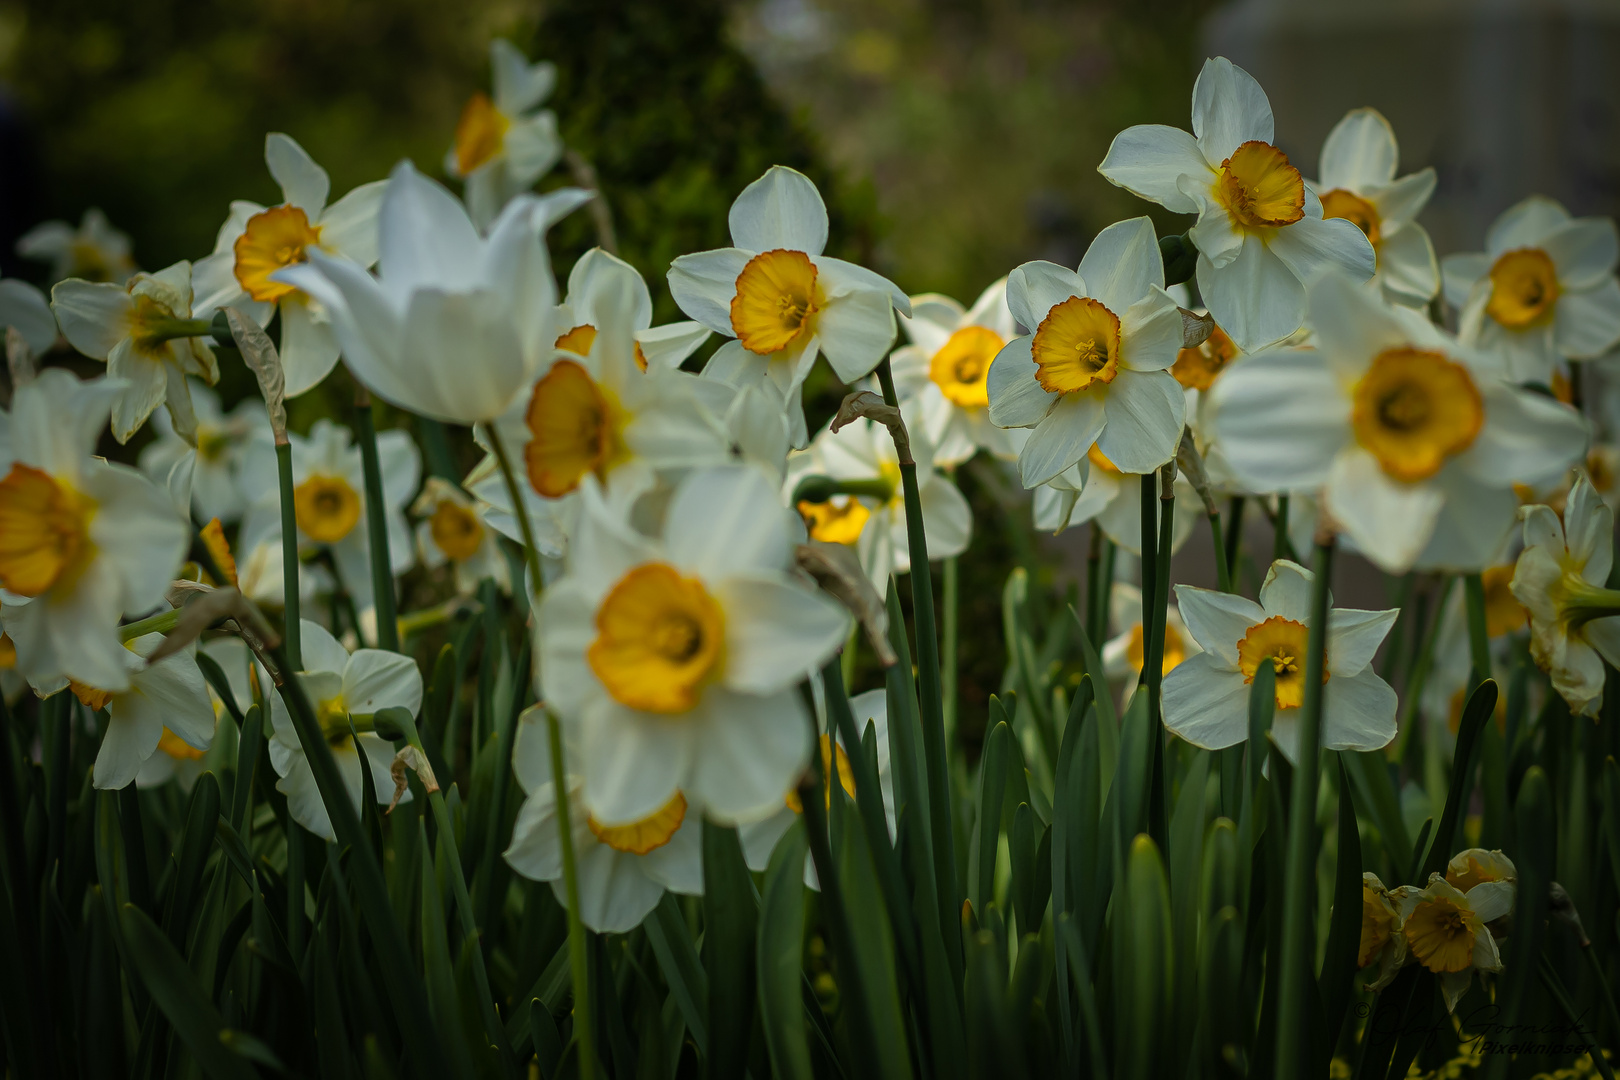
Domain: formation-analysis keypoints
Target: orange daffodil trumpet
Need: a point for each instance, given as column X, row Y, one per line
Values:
column 623, row 869
column 1206, row 696
column 679, row 657
column 1543, row 288
column 505, row 143
column 946, row 369
column 1358, row 183
column 444, row 291
column 257, row 241
column 82, row 541
column 1261, row 234
column 1561, row 579
column 449, row 531
column 131, row 327
column 783, row 301
column 1445, row 929
column 1094, row 370
column 1413, row 440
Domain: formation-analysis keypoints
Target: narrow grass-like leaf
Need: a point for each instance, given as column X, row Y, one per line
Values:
column 678, row 960
column 987, row 833
column 780, row 955
column 730, row 919
column 1480, row 708
column 191, row 856
column 1144, row 977
column 1344, row 927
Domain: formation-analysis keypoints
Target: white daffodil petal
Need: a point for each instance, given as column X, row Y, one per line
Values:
column 1287, row 591
column 1229, row 109
column 1359, row 152
column 1389, row 521
column 1150, row 159
column 1588, row 323
column 1525, row 224
column 1061, row 438
column 1312, row 246
column 704, row 285
column 782, row 209
column 754, row 748
column 1017, row 399
column 1255, row 298
column 1280, row 418
column 1123, row 263
column 1358, row 712
column 776, row 629
column 1217, row 620
column 303, row 183
column 1206, row 703
column 1354, row 636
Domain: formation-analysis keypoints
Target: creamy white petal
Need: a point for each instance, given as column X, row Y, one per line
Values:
column 1228, row 109
column 1399, row 202
column 1148, row 160
column 1388, row 520
column 94, row 316
column 1526, row 438
column 567, row 621
column 1143, row 412
column 349, row 226
column 1150, row 333
column 1206, row 703
column 1313, row 246
column 1459, row 273
column 782, row 209
column 425, row 237
column 1287, row 591
column 375, row 679
column 1062, row 437
column 753, row 748
column 704, row 285
column 1525, row 224
column 303, row 183
column 633, row 762
column 725, row 521
column 1353, row 637
column 1407, row 267
column 1255, row 298
column 1217, row 620
column 776, row 630
column 1017, row 399
column 132, row 736
column 855, row 331
column 1584, row 251
column 1122, row 264
column 1035, row 288
column 1280, row 418
column 1352, row 324
column 1588, row 323
column 1359, row 152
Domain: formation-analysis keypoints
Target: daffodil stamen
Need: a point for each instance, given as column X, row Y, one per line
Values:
column 1524, row 288
column 573, row 430
column 778, row 297
column 480, row 133
column 660, row 637
column 44, row 530
column 274, row 238
column 1076, row 346
column 961, row 367
column 327, row 508
column 1413, row 409
column 1259, row 188
column 1285, row 643
column 648, row 834
column 1340, row 203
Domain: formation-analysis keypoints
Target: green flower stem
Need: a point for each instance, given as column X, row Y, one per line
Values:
column 1557, row 991
column 382, row 569
column 161, row 623
column 1420, row 671
column 493, row 1028
column 1298, row 944
column 1153, row 664
column 1479, row 645
column 1150, row 561
column 292, row 631
column 1223, row 571
column 1234, row 533
column 818, row 489
column 577, row 957
column 948, row 658
column 157, row 331
column 948, row 883
column 1093, row 581
column 1280, row 547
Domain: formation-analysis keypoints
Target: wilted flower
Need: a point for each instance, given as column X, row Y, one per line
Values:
column 1413, row 441
column 622, row 870
column 1445, row 929
column 1561, row 580
column 87, row 541
column 1261, row 234
column 134, row 327
column 1094, row 370
column 95, row 251
column 1206, row 697
column 346, row 691
column 256, row 241
column 1358, row 183
column 505, row 143
column 679, row 657
column 946, row 371
column 1543, row 288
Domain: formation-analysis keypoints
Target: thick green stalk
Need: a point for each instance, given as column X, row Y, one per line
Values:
column 291, row 632
column 1298, row 941
column 161, row 623
column 1234, row 532
column 922, row 607
column 948, row 662
column 1420, row 670
column 1158, row 809
column 577, row 958
column 1150, row 561
column 1093, row 580
column 1280, row 547
column 382, row 569
column 1479, row 643
column 1223, row 571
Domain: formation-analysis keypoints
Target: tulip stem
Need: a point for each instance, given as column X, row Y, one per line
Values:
column 1298, row 948
column 1479, row 645
column 292, row 631
column 577, row 957
column 382, row 568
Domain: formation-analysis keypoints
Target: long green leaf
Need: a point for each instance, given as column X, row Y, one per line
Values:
column 780, row 955
column 730, row 919
column 1344, row 928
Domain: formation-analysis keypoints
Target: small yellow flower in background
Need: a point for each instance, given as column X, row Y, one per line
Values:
column 504, row 143
column 95, row 251
column 1445, row 929
column 258, row 241
column 1561, row 579
column 1543, row 288
column 1358, row 183
column 1382, row 941
column 1125, row 653
column 125, row 325
column 449, row 530
column 1261, row 234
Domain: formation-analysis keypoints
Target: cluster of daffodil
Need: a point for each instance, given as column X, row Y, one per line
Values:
column 692, row 567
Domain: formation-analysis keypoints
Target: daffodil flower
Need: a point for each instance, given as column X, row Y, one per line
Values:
column 257, row 241
column 24, row 309
column 1475, row 866
column 178, row 760
column 346, row 690
column 1445, row 691
column 783, row 300
column 1413, row 440
column 759, row 838
column 623, row 870
column 1092, row 489
column 84, row 540
column 863, row 453
column 505, row 143
column 1261, row 234
column 449, row 531
column 680, row 656
column 1543, row 288
column 1560, row 578
column 165, row 700
column 946, row 368
column 221, row 441
column 443, row 291
column 1125, row 653
column 1445, row 929
column 1206, row 696
column 1093, row 373
column 590, row 287
column 1358, row 183
column 1197, row 369
column 1382, row 942
column 329, row 500
column 130, row 326
column 95, row 251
